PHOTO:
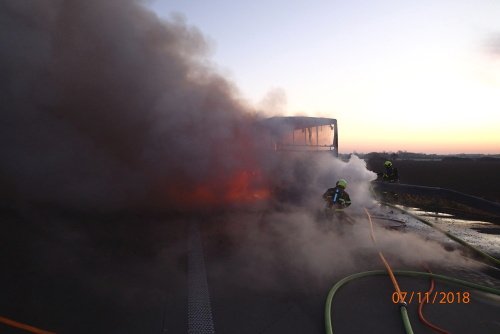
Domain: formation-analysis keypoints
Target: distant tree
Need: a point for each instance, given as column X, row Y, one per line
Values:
column 375, row 161
column 452, row 158
column 489, row 159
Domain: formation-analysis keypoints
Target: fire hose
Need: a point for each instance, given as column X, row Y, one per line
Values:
column 402, row 307
column 390, row 272
column 25, row 327
column 479, row 252
column 408, row 273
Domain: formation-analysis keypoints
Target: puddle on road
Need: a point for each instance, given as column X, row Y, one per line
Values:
column 483, row 235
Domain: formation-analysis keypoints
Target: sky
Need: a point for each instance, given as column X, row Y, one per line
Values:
column 418, row 76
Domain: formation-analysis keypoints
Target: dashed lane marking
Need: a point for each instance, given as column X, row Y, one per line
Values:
column 200, row 320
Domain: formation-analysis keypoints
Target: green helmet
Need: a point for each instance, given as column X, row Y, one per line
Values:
column 342, row 183
column 388, row 164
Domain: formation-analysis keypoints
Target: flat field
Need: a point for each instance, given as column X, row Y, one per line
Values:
column 473, row 177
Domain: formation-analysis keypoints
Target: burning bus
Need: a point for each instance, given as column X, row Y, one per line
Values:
column 256, row 164
column 296, row 141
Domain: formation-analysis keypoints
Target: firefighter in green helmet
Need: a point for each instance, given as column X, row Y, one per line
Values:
column 390, row 173
column 337, row 199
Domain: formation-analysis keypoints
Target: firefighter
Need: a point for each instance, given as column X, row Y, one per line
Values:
column 337, row 199
column 390, row 173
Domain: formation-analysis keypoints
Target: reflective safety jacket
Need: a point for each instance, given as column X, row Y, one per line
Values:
column 390, row 175
column 337, row 198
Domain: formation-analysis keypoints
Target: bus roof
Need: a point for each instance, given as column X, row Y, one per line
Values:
column 297, row 122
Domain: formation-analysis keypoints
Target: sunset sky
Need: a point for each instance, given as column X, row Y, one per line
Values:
column 420, row 76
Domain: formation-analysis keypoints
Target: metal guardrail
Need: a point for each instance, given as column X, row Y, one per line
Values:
column 473, row 201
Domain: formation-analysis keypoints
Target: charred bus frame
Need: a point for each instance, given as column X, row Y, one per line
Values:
column 300, row 133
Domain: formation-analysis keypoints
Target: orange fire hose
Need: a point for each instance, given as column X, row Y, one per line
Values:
column 386, row 264
column 22, row 326
column 402, row 303
column 421, row 314
column 396, row 286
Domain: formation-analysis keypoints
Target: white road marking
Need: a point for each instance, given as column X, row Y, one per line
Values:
column 200, row 320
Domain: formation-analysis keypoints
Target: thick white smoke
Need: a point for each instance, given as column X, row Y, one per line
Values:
column 294, row 244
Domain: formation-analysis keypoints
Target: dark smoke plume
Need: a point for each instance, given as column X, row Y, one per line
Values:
column 104, row 105
column 107, row 107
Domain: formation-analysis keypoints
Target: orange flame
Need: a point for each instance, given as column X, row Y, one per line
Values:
column 246, row 187
column 242, row 187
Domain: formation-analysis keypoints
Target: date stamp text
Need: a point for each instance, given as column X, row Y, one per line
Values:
column 436, row 297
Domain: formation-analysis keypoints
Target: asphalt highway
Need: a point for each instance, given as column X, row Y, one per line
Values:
column 131, row 273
